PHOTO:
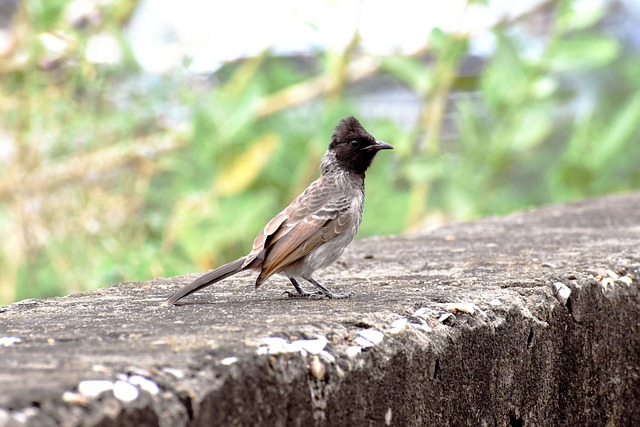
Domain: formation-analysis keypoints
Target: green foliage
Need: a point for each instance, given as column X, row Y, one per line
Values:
column 539, row 129
column 117, row 176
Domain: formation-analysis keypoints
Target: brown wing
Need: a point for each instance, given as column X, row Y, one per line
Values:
column 315, row 217
column 299, row 242
column 263, row 239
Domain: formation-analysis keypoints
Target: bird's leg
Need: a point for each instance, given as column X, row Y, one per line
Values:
column 301, row 293
column 327, row 292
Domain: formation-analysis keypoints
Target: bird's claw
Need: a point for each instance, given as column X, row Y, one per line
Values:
column 317, row 295
column 304, row 294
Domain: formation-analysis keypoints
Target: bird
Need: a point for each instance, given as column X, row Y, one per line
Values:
column 315, row 229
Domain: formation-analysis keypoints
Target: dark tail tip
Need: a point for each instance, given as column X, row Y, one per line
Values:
column 207, row 279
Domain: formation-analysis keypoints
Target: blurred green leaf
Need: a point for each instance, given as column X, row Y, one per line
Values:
column 424, row 169
column 241, row 172
column 45, row 13
column 448, row 47
column 507, row 78
column 619, row 132
column 579, row 15
column 582, row 52
column 535, row 124
column 413, row 73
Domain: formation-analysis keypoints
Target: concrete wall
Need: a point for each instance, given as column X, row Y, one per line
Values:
column 531, row 319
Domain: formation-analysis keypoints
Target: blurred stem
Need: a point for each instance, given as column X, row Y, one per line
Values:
column 314, row 87
column 435, row 106
column 27, row 158
column 49, row 176
column 429, row 127
column 340, row 72
column 244, row 74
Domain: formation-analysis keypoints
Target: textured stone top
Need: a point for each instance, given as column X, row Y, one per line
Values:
column 531, row 319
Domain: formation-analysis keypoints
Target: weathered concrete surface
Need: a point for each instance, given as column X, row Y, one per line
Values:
column 527, row 355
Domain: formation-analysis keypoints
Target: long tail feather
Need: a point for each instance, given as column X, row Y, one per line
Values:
column 207, row 279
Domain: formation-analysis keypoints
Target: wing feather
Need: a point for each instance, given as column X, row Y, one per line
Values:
column 314, row 218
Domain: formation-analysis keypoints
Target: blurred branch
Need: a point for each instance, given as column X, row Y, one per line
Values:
column 101, row 161
column 81, row 166
column 310, row 89
column 340, row 71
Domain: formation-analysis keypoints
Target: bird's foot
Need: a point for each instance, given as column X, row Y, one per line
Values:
column 304, row 295
column 321, row 293
column 328, row 293
column 317, row 295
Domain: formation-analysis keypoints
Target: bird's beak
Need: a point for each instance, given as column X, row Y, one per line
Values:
column 381, row 145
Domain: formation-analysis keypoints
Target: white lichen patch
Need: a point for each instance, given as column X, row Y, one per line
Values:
column 354, row 350
column 373, row 336
column 563, row 292
column 229, row 360
column 398, row 326
column 277, row 345
column 9, row 341
column 94, row 388
column 125, row 391
column 145, row 384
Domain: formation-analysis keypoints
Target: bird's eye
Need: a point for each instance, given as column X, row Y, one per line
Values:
column 355, row 143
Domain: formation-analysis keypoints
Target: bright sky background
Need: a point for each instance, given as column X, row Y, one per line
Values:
column 165, row 32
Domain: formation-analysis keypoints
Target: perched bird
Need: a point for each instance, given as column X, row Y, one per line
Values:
column 314, row 230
